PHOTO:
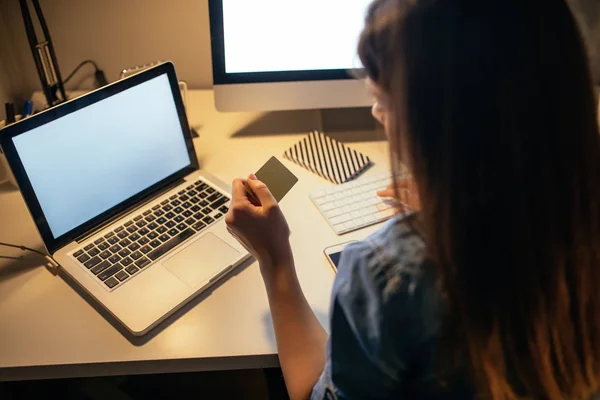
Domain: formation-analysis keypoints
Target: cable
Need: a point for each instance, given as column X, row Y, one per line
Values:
column 53, row 268
column 24, row 248
column 79, row 67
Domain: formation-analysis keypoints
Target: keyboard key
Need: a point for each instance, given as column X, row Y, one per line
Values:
column 115, row 249
column 173, row 197
column 189, row 187
column 124, row 252
column 178, row 219
column 150, row 218
column 142, row 263
column 100, row 267
column 152, row 226
column 167, row 208
column 128, row 223
column 161, row 220
column 161, row 230
column 126, row 261
column 83, row 258
column 181, row 192
column 224, row 209
column 94, row 252
column 210, row 190
column 144, row 231
column 202, row 186
column 113, row 240
column 148, row 212
column 203, row 203
column 146, row 249
column 136, row 255
column 214, row 197
column 194, row 200
column 164, row 238
column 136, row 219
column 208, row 220
column 141, row 224
column 119, row 229
column 124, row 243
column 187, row 213
column 170, row 215
column 190, row 221
column 178, row 210
column 170, row 224
column 109, row 235
column 195, row 209
column 203, row 195
column 166, row 247
column 105, row 255
column 206, row 211
column 89, row 247
column 132, row 269
column 92, row 262
column 199, row 225
column 191, row 193
column 219, row 203
column 134, row 247
column 182, row 227
column 111, row 283
column 159, row 213
column 173, row 232
column 184, row 198
column 114, row 258
column 164, row 202
column 156, row 207
column 152, row 235
column 198, row 215
column 77, row 253
column 134, row 237
column 217, row 216
column 122, row 275
column 123, row 234
column 132, row 229
column 103, row 246
column 175, row 203
column 107, row 273
column 143, row 241
column 99, row 241
column 155, row 243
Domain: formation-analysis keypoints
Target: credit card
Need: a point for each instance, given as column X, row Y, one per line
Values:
column 277, row 177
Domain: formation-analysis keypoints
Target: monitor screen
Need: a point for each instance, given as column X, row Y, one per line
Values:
column 275, row 35
column 89, row 161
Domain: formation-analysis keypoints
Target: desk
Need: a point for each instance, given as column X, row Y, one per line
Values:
column 47, row 330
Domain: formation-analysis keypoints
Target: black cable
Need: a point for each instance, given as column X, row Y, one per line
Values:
column 79, row 67
column 11, row 258
column 24, row 248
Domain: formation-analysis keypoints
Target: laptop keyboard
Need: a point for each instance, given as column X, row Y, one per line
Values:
column 126, row 250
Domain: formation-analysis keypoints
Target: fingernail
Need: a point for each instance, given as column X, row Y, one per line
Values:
column 252, row 176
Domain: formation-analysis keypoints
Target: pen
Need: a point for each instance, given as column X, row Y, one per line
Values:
column 27, row 108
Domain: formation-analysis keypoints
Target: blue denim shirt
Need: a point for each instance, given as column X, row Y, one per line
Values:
column 384, row 322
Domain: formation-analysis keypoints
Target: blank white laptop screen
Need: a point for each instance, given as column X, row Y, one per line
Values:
column 276, row 35
column 89, row 161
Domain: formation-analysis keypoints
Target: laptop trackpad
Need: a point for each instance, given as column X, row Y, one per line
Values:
column 201, row 260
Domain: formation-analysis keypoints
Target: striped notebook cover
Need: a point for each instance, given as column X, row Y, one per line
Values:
column 328, row 158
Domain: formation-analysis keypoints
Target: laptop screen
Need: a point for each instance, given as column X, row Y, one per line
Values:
column 97, row 157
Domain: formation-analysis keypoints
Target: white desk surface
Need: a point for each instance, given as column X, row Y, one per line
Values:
column 47, row 330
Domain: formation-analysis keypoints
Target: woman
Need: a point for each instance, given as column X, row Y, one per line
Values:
column 493, row 289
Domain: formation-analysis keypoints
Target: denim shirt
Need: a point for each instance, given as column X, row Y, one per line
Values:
column 384, row 322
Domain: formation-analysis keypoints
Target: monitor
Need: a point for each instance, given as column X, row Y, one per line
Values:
column 271, row 55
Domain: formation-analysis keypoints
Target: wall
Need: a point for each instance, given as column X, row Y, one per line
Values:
column 117, row 34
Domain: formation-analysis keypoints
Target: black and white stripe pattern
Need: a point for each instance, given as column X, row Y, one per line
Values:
column 328, row 158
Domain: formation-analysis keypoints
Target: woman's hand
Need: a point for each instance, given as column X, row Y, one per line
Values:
column 407, row 192
column 259, row 225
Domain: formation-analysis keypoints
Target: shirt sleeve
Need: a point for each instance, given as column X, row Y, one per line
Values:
column 375, row 323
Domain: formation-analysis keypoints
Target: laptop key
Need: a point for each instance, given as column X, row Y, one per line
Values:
column 115, row 249
column 134, row 247
column 143, row 231
column 217, row 216
column 164, row 238
column 199, row 225
column 113, row 240
column 146, row 249
column 173, row 197
column 141, row 224
column 148, row 212
column 184, row 198
column 202, row 186
column 161, row 230
column 194, row 200
column 126, row 261
column 210, row 190
column 94, row 252
column 175, row 203
column 128, row 223
column 178, row 210
column 107, row 273
column 181, row 192
column 167, row 246
column 203, row 203
column 173, row 232
column 153, row 226
column 134, row 237
column 100, row 267
column 89, row 247
column 155, row 243
column 167, row 208
column 198, row 215
column 159, row 213
column 206, row 211
column 92, row 262
column 179, row 219
column 192, row 193
column 109, row 235
column 132, row 229
column 219, row 203
column 136, row 219
column 119, row 229
column 122, row 275
column 214, row 197
column 77, row 253
column 195, row 209
column 182, row 227
column 83, row 258
column 170, row 215
column 203, row 195
column 186, row 205
column 114, row 258
column 143, row 241
column 164, row 202
column 156, row 207
column 99, row 241
column 208, row 220
column 187, row 213
column 150, row 218
column 142, row 263
column 170, row 224
column 103, row 246
column 132, row 269
column 105, row 255
column 124, row 243
column 190, row 221
column 111, row 283
column 152, row 235
column 224, row 209
column 161, row 220
column 124, row 253
column 190, row 187
column 136, row 255
column 123, row 234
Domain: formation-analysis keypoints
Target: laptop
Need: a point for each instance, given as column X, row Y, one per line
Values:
column 112, row 181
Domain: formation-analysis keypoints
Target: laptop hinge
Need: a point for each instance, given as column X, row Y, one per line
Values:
column 129, row 210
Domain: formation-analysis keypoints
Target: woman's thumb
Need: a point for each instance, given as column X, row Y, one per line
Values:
column 261, row 191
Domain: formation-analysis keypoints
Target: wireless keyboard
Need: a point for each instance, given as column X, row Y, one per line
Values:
column 355, row 204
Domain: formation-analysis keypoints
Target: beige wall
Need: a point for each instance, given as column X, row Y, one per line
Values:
column 116, row 34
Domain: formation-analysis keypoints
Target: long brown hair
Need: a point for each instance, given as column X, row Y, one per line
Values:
column 492, row 101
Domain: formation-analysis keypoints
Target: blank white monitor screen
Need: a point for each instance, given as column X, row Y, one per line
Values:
column 284, row 35
column 93, row 159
